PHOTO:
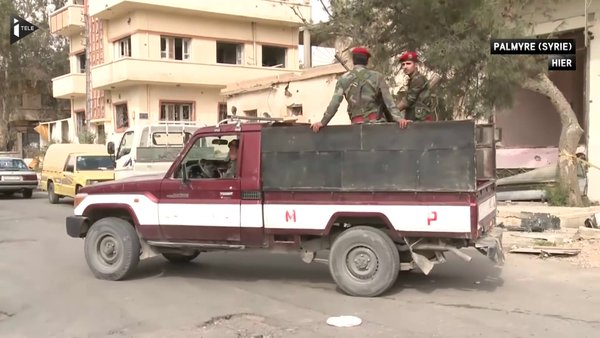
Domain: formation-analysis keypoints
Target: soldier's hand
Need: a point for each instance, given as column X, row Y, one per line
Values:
column 403, row 123
column 316, row 126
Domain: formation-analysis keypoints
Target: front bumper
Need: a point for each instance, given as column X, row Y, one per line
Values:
column 77, row 226
column 490, row 245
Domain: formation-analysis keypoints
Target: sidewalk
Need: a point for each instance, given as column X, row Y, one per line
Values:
column 513, row 213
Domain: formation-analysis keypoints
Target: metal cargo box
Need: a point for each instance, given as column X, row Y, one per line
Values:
column 433, row 156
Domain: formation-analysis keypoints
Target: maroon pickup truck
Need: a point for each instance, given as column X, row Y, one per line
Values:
column 378, row 198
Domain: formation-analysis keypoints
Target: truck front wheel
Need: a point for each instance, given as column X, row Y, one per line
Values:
column 364, row 261
column 112, row 248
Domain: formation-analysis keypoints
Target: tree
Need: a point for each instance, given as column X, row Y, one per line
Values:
column 453, row 38
column 29, row 64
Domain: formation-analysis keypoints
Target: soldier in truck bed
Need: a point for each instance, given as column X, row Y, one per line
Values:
column 416, row 102
column 365, row 91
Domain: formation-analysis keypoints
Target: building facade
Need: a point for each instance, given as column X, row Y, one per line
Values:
column 154, row 61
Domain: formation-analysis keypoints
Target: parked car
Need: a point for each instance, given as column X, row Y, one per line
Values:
column 15, row 176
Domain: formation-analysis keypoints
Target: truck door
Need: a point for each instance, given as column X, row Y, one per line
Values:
column 206, row 204
column 66, row 185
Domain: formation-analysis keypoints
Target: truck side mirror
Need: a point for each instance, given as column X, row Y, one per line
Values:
column 110, row 148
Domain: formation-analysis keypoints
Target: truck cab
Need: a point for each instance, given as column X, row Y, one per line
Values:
column 150, row 148
column 377, row 198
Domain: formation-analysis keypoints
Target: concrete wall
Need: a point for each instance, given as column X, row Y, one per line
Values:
column 313, row 94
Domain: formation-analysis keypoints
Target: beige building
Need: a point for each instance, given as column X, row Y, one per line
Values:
column 304, row 95
column 532, row 123
column 154, row 60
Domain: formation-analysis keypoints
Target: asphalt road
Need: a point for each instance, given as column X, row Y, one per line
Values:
column 46, row 290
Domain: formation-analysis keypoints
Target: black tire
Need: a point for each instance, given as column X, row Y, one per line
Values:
column 112, row 248
column 27, row 193
column 180, row 258
column 52, row 196
column 372, row 254
column 77, row 187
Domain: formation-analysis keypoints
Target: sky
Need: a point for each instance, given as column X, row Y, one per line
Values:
column 318, row 14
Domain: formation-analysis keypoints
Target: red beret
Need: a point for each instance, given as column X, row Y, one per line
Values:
column 409, row 56
column 361, row 50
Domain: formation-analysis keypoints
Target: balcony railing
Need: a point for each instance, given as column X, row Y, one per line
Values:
column 68, row 20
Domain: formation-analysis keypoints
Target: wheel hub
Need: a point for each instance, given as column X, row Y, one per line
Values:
column 108, row 250
column 362, row 262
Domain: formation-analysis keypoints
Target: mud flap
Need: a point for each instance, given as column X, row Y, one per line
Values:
column 491, row 246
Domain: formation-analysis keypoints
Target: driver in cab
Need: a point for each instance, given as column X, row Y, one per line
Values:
column 233, row 152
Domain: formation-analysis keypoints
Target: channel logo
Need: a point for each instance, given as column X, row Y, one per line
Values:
column 20, row 28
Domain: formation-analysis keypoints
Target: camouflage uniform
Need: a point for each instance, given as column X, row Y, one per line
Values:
column 418, row 98
column 365, row 91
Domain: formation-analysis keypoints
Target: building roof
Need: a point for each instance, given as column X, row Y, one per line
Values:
column 268, row 82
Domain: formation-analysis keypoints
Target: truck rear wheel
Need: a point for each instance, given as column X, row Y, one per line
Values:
column 364, row 261
column 112, row 248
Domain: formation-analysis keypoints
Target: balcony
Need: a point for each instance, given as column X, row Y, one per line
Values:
column 129, row 72
column 68, row 86
column 268, row 11
column 67, row 21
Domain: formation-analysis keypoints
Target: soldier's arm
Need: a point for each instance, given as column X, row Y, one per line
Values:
column 417, row 85
column 388, row 101
column 334, row 104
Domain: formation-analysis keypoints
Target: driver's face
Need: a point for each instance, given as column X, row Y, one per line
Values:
column 233, row 153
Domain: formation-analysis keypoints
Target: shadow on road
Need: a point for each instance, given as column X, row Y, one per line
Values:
column 478, row 275
column 37, row 195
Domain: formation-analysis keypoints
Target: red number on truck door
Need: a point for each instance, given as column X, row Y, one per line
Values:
column 290, row 216
column 432, row 217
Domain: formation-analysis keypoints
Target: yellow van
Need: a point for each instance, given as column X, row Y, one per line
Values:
column 68, row 167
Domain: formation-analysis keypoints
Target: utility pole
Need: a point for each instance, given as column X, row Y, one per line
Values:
column 88, row 73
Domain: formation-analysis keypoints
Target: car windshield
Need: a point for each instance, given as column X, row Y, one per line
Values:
column 12, row 164
column 94, row 163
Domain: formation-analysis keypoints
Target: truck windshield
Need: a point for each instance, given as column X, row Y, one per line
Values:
column 12, row 164
column 85, row 163
column 171, row 138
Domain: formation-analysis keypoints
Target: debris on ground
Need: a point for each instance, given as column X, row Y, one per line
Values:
column 547, row 251
column 580, row 247
column 344, row 321
column 531, row 222
column 592, row 222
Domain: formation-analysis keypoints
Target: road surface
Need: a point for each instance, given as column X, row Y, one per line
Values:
column 46, row 290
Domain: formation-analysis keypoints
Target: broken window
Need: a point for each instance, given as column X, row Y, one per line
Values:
column 274, row 56
column 123, row 48
column 295, row 110
column 175, row 48
column 121, row 116
column 251, row 113
column 176, row 111
column 229, row 53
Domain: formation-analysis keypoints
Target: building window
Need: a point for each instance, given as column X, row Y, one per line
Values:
column 176, row 111
column 121, row 116
column 123, row 48
column 81, row 62
column 175, row 48
column 295, row 110
column 273, row 56
column 251, row 113
column 222, row 111
column 80, row 119
column 229, row 53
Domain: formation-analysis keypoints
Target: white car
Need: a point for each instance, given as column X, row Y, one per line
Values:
column 15, row 176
